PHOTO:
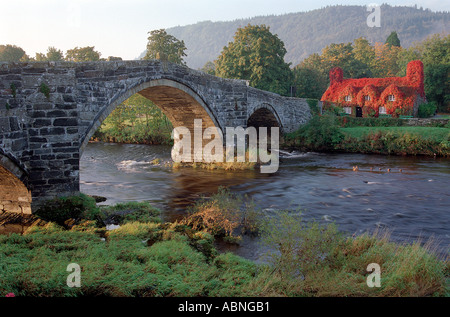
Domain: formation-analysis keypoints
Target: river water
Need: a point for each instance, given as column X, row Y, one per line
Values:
column 412, row 200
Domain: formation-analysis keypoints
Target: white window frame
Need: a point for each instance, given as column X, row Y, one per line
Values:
column 348, row 98
column 391, row 98
column 348, row 110
column 382, row 110
column 367, row 98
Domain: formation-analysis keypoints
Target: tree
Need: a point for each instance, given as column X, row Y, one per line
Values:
column 209, row 68
column 407, row 55
column 113, row 58
column 40, row 57
column 165, row 47
column 256, row 55
column 139, row 120
column 53, row 54
column 434, row 52
column 436, row 60
column 11, row 53
column 437, row 85
column 309, row 82
column 342, row 55
column 386, row 60
column 82, row 54
column 393, row 40
column 364, row 53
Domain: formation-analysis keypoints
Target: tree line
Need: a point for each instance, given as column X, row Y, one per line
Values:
column 13, row 53
column 360, row 59
column 305, row 33
column 258, row 55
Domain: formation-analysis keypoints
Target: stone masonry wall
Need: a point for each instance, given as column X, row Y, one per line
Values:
column 49, row 110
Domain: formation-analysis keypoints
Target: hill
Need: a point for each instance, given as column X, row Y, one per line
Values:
column 305, row 33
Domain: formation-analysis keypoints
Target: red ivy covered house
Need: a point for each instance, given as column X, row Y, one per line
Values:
column 371, row 97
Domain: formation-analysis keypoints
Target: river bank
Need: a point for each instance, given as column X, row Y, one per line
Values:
column 142, row 256
column 330, row 134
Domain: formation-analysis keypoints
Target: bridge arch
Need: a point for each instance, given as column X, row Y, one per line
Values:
column 15, row 196
column 264, row 115
column 179, row 102
column 11, row 164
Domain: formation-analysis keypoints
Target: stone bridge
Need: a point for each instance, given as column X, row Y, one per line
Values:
column 50, row 110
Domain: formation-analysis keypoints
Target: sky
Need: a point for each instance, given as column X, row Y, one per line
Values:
column 120, row 27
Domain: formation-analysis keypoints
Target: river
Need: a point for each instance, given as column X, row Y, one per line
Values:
column 412, row 200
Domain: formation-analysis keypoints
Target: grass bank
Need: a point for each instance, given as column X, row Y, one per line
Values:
column 327, row 134
column 134, row 133
column 144, row 257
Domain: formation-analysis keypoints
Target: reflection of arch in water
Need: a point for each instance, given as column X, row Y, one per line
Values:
column 14, row 195
column 190, row 185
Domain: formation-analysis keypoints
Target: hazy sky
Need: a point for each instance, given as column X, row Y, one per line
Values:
column 119, row 27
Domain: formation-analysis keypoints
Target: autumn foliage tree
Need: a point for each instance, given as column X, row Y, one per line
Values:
column 256, row 55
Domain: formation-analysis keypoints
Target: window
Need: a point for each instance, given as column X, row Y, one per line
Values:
column 348, row 98
column 367, row 98
column 391, row 98
column 382, row 110
column 348, row 110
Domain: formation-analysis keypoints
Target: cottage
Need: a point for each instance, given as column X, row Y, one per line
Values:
column 374, row 97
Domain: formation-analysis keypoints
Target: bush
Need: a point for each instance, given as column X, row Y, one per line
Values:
column 320, row 133
column 427, row 110
column 350, row 122
column 122, row 213
column 298, row 247
column 223, row 214
column 75, row 207
column 313, row 106
column 310, row 259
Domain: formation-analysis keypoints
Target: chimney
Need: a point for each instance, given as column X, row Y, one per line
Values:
column 415, row 76
column 336, row 75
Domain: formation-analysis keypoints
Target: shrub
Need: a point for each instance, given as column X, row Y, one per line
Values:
column 223, row 214
column 298, row 247
column 310, row 259
column 122, row 213
column 75, row 207
column 320, row 133
column 312, row 103
column 427, row 110
column 45, row 90
column 219, row 215
column 350, row 122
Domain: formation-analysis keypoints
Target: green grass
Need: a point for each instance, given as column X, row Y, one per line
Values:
column 148, row 258
column 430, row 133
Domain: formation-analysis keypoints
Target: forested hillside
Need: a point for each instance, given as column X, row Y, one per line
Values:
column 309, row 32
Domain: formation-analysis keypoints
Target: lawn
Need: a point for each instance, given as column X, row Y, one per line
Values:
column 430, row 133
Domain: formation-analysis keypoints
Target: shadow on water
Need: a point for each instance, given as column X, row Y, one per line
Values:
column 407, row 195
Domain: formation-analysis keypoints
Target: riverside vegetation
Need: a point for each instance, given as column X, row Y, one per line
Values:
column 145, row 257
column 334, row 133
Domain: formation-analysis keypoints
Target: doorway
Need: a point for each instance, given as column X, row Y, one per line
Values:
column 359, row 112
